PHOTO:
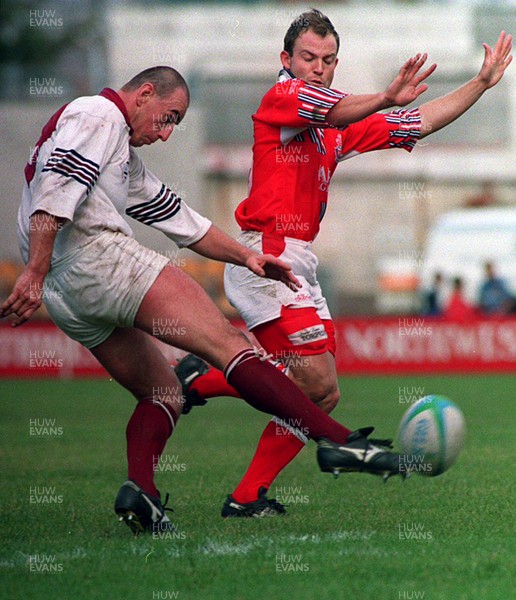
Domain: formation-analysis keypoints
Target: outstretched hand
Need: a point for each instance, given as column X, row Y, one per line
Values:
column 267, row 265
column 407, row 86
column 25, row 298
column 496, row 61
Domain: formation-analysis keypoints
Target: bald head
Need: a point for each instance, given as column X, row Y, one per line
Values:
column 156, row 101
column 165, row 80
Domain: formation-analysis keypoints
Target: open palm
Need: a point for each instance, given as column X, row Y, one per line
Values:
column 407, row 86
column 496, row 61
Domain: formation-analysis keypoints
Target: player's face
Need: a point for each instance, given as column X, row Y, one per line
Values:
column 155, row 118
column 313, row 59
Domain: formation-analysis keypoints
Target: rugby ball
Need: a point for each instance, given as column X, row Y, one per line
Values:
column 431, row 436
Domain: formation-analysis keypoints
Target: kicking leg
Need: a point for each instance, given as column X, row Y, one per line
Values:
column 166, row 312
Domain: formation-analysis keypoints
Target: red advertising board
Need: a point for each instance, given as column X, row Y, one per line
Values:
column 40, row 349
column 364, row 346
column 423, row 345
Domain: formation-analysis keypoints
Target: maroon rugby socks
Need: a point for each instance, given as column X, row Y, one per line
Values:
column 148, row 430
column 264, row 387
column 268, row 390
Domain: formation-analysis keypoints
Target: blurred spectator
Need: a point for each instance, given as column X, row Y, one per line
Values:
column 458, row 308
column 432, row 297
column 494, row 298
column 485, row 197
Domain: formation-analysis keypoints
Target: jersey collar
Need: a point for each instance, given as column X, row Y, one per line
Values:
column 285, row 75
column 119, row 103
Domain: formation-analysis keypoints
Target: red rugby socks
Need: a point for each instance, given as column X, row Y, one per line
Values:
column 276, row 448
column 213, row 384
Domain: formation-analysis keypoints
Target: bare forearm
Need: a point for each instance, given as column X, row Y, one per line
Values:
column 355, row 108
column 43, row 231
column 440, row 112
column 26, row 296
column 403, row 90
column 219, row 246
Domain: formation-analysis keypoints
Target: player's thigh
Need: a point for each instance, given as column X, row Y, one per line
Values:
column 133, row 359
column 179, row 312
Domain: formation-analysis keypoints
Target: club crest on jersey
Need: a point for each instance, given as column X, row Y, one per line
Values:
column 307, row 335
column 338, row 147
column 324, row 178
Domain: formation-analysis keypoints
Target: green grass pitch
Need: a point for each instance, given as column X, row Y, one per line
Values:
column 447, row 538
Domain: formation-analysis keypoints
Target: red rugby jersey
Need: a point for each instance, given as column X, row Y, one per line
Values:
column 295, row 153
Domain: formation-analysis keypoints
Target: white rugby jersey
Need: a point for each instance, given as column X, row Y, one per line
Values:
column 83, row 169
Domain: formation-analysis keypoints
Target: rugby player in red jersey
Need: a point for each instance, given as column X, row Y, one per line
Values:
column 302, row 117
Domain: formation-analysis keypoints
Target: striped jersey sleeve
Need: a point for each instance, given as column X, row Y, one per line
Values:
column 315, row 103
column 79, row 149
column 69, row 163
column 405, row 128
column 164, row 205
column 397, row 129
column 296, row 104
column 153, row 203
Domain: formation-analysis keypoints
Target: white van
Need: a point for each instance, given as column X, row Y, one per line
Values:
column 460, row 243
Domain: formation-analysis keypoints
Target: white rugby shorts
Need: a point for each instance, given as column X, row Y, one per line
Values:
column 259, row 300
column 100, row 286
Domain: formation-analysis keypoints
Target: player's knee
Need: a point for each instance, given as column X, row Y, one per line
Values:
column 331, row 400
column 162, row 386
column 325, row 394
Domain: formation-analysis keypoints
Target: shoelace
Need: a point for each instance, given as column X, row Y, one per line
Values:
column 262, row 354
column 164, row 505
column 383, row 443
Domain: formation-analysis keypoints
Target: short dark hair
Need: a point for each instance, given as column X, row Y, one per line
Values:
column 457, row 283
column 313, row 20
column 164, row 79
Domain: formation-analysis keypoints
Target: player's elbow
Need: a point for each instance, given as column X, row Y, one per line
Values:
column 428, row 126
